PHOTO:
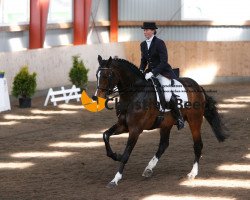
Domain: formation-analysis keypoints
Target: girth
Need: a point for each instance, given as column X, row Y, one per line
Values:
column 158, row 120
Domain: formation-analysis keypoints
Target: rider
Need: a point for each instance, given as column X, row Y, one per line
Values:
column 154, row 55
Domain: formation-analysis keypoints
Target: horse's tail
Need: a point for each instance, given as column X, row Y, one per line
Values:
column 214, row 119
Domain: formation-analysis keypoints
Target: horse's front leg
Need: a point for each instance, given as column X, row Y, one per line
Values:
column 114, row 130
column 133, row 137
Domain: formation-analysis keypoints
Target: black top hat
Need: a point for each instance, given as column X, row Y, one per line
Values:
column 149, row 25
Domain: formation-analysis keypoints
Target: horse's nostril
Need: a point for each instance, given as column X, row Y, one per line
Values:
column 95, row 98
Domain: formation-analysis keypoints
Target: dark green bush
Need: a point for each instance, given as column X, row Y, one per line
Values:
column 78, row 73
column 24, row 84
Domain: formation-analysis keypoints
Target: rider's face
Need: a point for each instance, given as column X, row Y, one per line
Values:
column 148, row 33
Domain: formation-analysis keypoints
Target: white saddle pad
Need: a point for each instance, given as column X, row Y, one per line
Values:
column 178, row 89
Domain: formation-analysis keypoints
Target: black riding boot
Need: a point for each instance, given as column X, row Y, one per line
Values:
column 176, row 112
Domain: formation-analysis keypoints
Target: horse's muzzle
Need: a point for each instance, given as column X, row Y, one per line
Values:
column 100, row 93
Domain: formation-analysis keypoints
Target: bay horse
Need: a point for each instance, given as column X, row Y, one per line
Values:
column 134, row 115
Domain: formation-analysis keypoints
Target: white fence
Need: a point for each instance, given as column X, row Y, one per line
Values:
column 62, row 95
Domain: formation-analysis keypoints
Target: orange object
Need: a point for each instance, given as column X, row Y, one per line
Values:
column 90, row 105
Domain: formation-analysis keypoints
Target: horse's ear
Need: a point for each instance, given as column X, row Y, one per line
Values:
column 99, row 59
column 109, row 61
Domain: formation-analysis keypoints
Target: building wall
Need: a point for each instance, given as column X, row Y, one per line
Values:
column 52, row 65
column 100, row 10
column 14, row 41
column 170, row 10
column 19, row 40
column 206, row 62
column 188, row 34
column 143, row 10
column 58, row 37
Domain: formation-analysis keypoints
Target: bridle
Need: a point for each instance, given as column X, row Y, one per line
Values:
column 109, row 90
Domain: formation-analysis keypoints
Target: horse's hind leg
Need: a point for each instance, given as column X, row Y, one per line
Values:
column 195, row 126
column 164, row 142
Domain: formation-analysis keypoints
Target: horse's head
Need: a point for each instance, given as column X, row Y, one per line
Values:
column 106, row 80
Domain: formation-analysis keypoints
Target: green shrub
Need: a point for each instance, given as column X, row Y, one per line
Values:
column 24, row 84
column 78, row 73
column 2, row 74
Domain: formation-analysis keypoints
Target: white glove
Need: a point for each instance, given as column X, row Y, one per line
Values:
column 148, row 75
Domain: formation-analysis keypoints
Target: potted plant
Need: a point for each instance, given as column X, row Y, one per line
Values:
column 1, row 74
column 78, row 73
column 24, row 87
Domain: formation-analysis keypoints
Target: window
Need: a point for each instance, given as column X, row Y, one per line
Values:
column 1, row 12
column 222, row 10
column 60, row 11
column 14, row 12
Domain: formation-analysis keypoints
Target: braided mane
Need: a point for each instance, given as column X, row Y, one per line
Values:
column 130, row 66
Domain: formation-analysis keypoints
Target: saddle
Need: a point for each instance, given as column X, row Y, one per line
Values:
column 171, row 75
column 162, row 104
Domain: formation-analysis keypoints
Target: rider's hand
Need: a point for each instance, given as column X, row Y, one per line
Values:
column 148, row 75
column 141, row 71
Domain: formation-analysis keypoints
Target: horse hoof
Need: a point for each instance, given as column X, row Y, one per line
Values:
column 147, row 173
column 191, row 176
column 111, row 185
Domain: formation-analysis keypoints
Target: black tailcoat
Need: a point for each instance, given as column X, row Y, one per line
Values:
column 156, row 57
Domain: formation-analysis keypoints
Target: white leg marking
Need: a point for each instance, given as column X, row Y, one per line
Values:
column 151, row 165
column 98, row 78
column 194, row 171
column 118, row 177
